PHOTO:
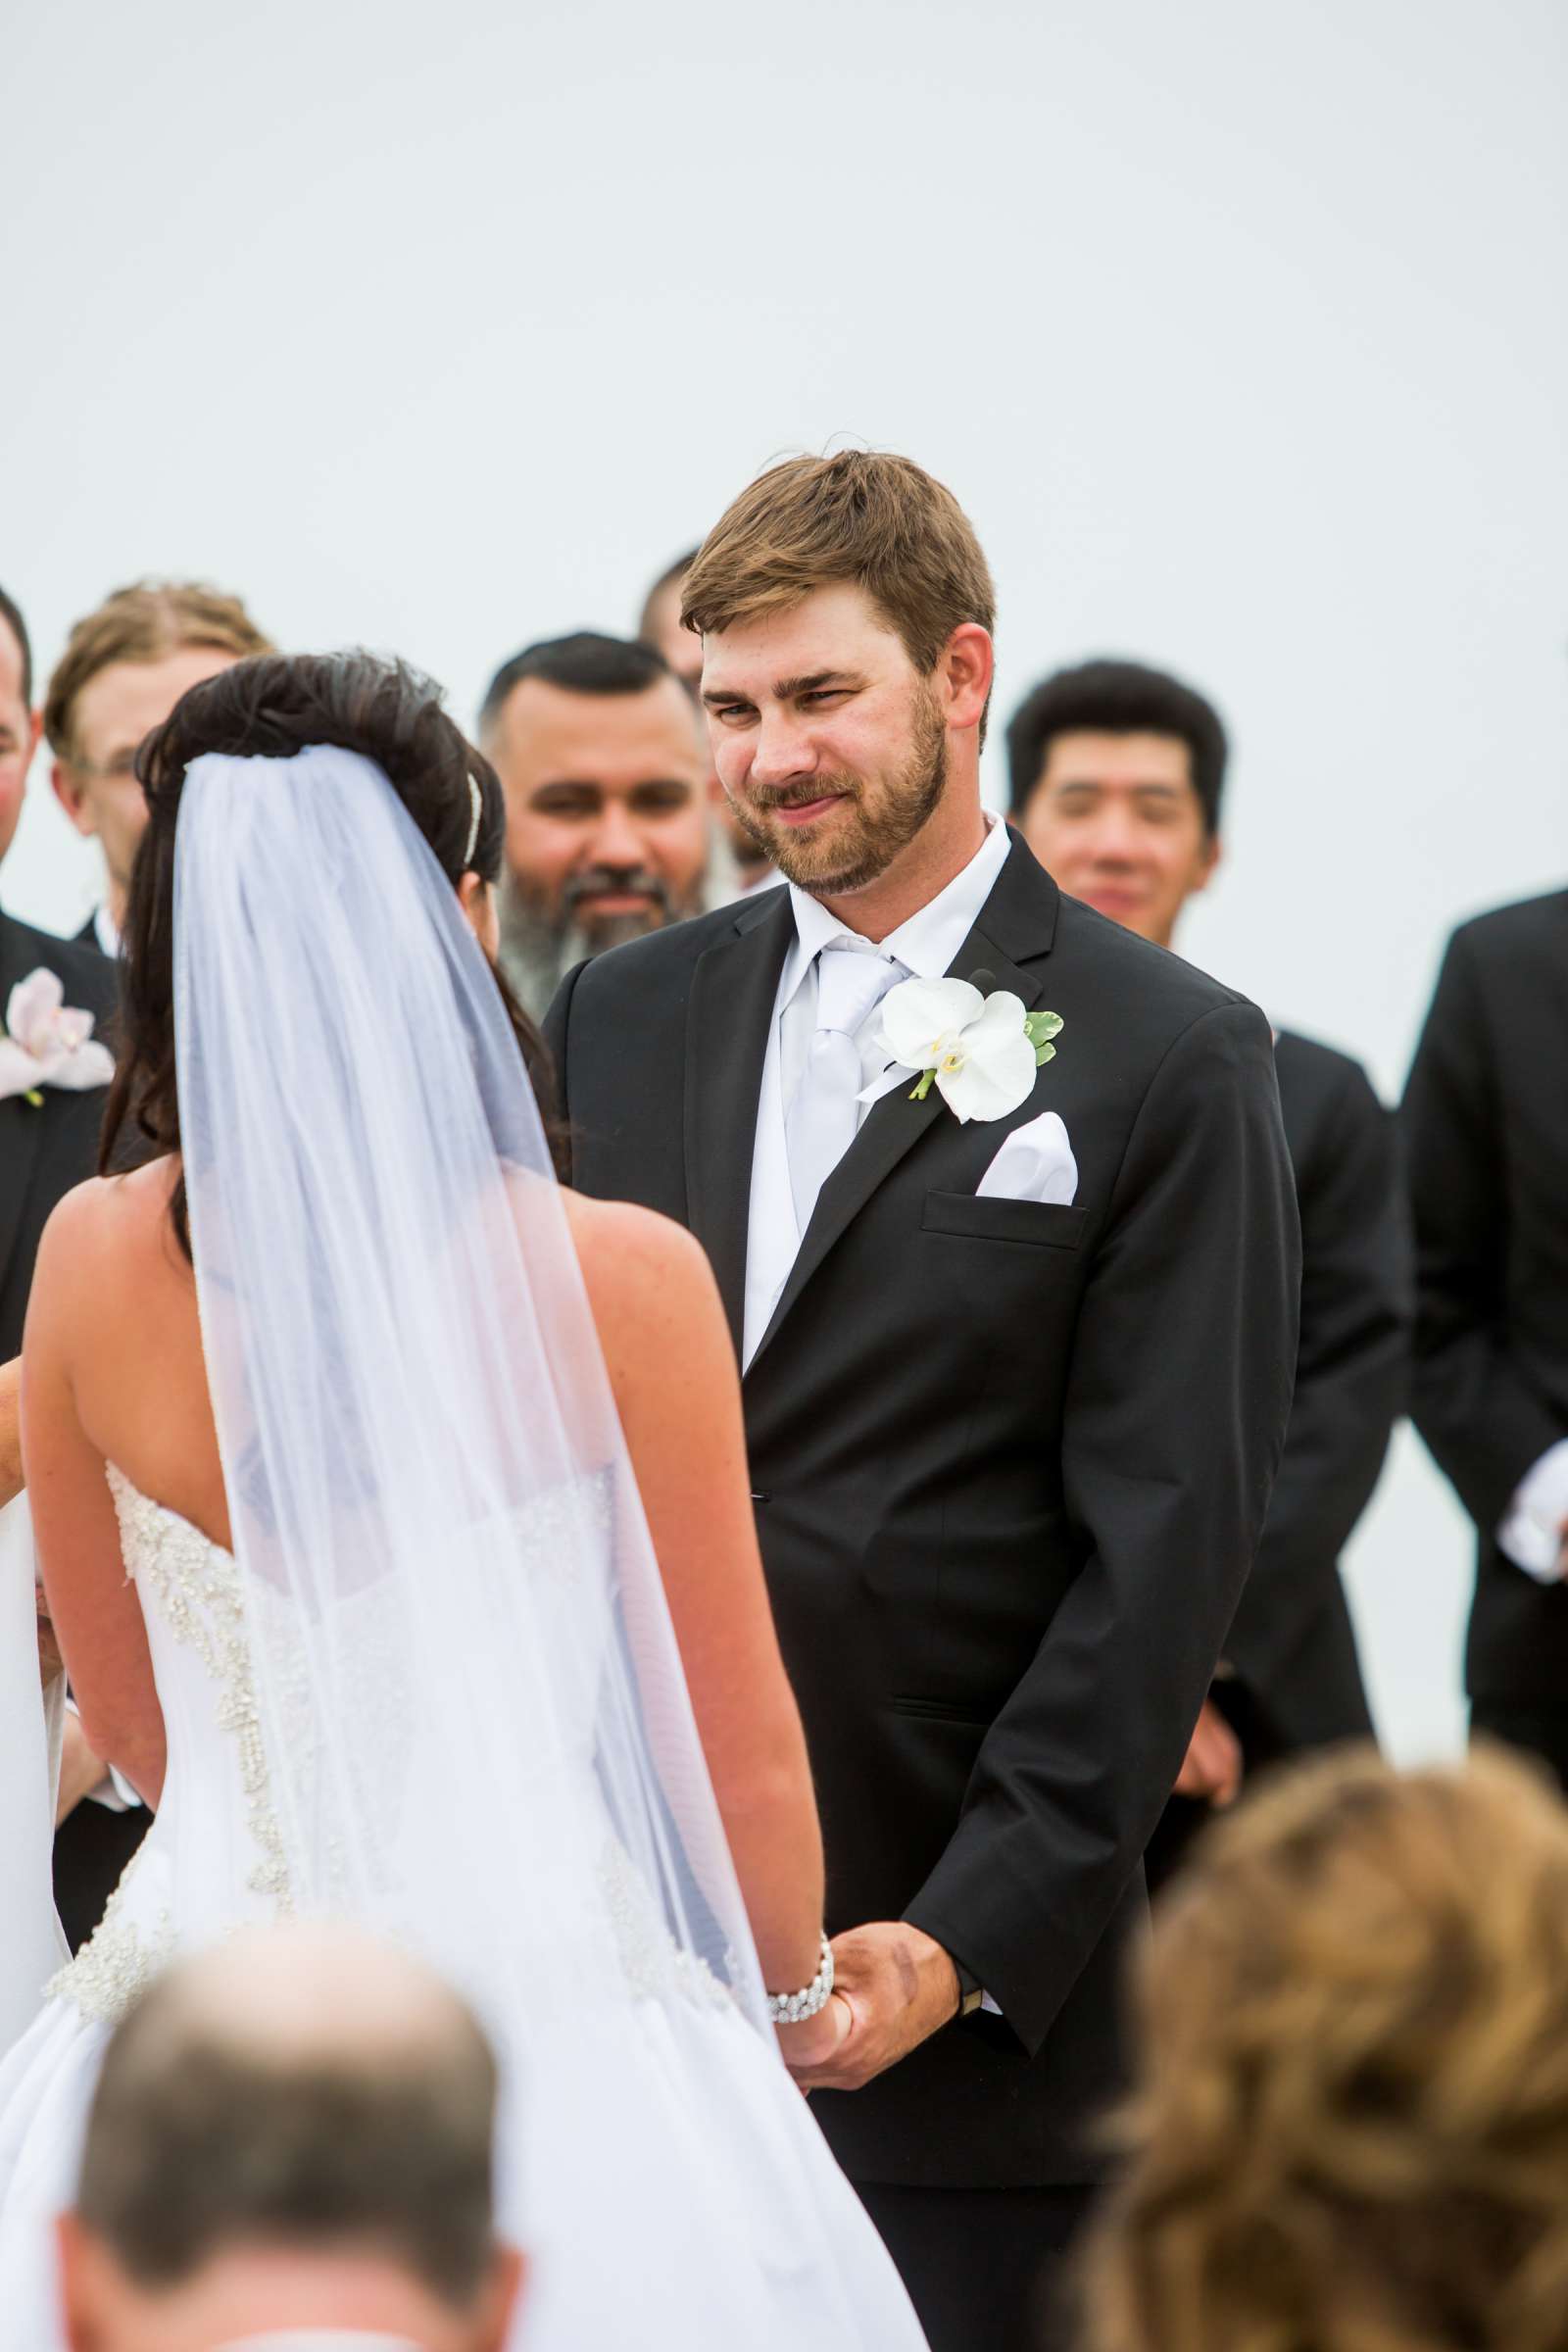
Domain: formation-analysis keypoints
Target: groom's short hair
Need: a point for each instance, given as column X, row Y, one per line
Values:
column 298, row 2088
column 874, row 521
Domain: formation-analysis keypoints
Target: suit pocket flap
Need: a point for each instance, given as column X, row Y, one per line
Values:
column 985, row 1220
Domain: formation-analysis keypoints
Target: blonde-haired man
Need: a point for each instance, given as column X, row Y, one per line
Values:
column 1019, row 1337
column 124, row 667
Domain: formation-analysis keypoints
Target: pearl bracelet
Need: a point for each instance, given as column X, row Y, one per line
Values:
column 794, row 2008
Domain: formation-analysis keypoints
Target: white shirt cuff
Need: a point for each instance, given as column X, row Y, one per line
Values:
column 1532, row 1534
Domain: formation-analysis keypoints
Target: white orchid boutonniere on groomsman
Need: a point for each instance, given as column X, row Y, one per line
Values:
column 47, row 1042
column 980, row 1051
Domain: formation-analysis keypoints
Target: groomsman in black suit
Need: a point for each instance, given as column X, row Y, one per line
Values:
column 1116, row 777
column 1019, row 1335
column 1485, row 1112
column 47, row 1147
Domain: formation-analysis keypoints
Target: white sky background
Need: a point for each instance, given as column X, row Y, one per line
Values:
column 1240, row 333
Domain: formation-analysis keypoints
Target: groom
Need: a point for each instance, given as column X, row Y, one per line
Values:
column 1012, row 1420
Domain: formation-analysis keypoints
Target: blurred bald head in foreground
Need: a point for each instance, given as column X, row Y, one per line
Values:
column 290, row 2146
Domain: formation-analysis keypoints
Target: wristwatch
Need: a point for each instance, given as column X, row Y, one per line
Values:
column 971, row 1992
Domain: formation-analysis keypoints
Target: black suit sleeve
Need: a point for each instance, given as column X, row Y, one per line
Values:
column 1178, row 1393
column 1484, row 1423
column 1350, row 1375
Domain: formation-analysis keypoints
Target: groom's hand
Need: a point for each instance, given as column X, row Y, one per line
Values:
column 1213, row 1768
column 898, row 1987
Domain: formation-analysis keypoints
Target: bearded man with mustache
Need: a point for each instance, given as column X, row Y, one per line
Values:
column 609, row 828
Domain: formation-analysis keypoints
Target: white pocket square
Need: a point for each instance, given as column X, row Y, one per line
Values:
column 1035, row 1163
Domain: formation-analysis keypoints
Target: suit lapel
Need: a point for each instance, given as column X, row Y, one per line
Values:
column 733, row 990
column 1018, row 919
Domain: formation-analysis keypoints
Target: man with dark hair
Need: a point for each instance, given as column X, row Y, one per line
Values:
column 1136, row 809
column 290, row 2145
column 1116, row 777
column 20, row 725
column 1485, row 1117
column 1018, row 1327
column 598, row 750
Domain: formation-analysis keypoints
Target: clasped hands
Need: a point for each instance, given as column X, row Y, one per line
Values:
column 893, row 1988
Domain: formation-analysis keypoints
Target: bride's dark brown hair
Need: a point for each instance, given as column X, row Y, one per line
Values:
column 270, row 707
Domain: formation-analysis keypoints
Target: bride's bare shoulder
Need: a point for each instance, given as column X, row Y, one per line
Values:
column 110, row 1220
column 618, row 1238
column 649, row 1282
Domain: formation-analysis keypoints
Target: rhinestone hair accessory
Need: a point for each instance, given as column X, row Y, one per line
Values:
column 477, row 804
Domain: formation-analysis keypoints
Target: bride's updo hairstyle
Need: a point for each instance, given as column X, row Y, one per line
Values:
column 270, row 708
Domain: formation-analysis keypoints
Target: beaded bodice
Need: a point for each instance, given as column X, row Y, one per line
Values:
column 218, row 1784
column 218, row 1815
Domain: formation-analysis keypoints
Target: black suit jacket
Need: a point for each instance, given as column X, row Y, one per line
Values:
column 1486, row 1113
column 44, row 1148
column 1011, row 1463
column 1291, row 1642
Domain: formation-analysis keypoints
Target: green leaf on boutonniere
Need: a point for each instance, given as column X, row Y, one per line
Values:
column 35, row 1096
column 1040, row 1028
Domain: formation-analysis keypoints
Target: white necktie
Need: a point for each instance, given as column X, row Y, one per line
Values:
column 826, row 1112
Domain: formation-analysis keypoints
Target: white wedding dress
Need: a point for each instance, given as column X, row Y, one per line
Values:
column 433, row 1687
column 664, row 2174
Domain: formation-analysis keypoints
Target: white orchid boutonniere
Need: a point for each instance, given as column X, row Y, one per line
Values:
column 980, row 1052
column 48, row 1043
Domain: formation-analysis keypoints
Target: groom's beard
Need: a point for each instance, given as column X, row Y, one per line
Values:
column 836, row 856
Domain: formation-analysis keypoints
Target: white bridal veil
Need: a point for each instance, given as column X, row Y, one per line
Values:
column 472, row 1727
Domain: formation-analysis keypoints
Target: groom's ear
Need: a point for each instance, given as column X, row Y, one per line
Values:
column 963, row 674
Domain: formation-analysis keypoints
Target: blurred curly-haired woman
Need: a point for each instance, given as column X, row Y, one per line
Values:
column 1351, row 2134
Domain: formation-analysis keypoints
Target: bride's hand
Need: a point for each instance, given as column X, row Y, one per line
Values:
column 814, row 2039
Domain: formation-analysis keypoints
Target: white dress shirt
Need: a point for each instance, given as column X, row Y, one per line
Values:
column 1532, row 1535
column 105, row 930
column 925, row 946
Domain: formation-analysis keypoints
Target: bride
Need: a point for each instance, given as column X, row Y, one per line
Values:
column 393, row 1515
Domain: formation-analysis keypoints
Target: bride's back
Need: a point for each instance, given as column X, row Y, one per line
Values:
column 348, row 1268
column 123, row 1309
column 119, row 1305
